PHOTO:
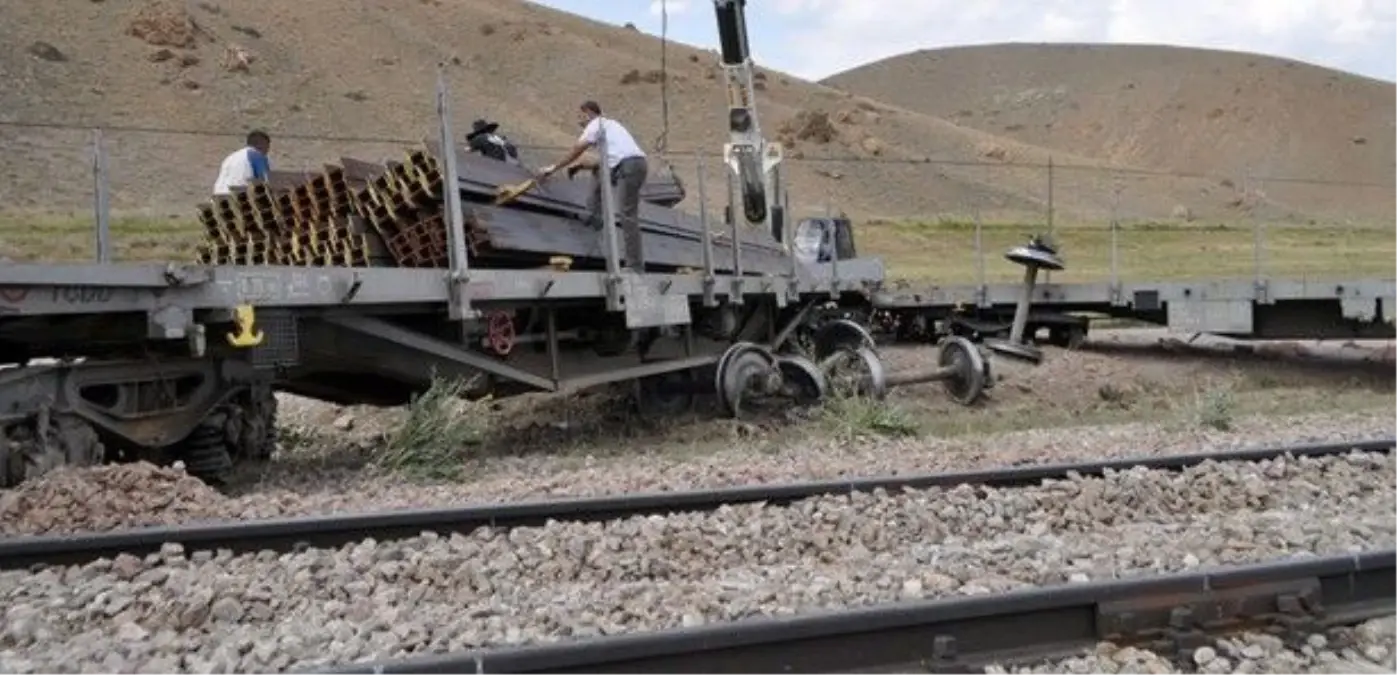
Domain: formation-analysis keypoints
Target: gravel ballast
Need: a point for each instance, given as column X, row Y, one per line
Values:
column 1366, row 648
column 111, row 497
column 377, row 600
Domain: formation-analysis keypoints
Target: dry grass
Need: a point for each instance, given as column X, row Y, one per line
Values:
column 67, row 239
column 942, row 252
column 1143, row 383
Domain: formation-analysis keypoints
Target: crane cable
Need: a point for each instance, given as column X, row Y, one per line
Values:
column 662, row 142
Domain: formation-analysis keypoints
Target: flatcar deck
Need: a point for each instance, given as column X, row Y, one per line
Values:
column 1265, row 308
column 84, row 288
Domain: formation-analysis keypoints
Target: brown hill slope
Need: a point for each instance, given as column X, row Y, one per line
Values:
column 1167, row 108
column 365, row 68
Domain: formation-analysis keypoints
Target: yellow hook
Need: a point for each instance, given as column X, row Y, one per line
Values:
column 245, row 335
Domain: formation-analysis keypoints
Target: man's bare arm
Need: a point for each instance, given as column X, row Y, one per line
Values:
column 567, row 159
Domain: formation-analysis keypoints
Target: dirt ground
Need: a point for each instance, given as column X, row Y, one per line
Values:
column 1121, row 376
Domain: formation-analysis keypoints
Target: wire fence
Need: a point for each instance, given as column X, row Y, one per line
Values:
column 1110, row 220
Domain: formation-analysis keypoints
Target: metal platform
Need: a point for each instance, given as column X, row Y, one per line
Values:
column 86, row 288
column 1239, row 308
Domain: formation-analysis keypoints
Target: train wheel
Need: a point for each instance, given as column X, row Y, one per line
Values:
column 665, row 395
column 744, row 374
column 802, row 380
column 856, row 371
column 46, row 442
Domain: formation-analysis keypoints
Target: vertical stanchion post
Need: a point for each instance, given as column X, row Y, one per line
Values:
column 1115, row 240
column 709, row 299
column 982, row 291
column 1048, row 274
column 1249, row 203
column 1259, row 238
column 459, row 274
column 608, row 219
column 101, row 199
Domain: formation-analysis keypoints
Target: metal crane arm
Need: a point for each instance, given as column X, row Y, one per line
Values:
column 747, row 154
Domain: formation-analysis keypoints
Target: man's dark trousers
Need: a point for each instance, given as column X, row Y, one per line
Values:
column 626, row 179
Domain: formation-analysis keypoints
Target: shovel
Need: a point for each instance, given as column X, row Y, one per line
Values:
column 508, row 193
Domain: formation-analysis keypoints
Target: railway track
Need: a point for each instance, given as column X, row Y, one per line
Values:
column 947, row 579
column 329, row 531
column 1171, row 615
column 323, row 531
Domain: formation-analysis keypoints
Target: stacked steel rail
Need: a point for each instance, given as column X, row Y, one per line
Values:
column 365, row 214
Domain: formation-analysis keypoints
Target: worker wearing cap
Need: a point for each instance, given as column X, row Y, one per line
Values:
column 245, row 164
column 627, row 169
column 483, row 140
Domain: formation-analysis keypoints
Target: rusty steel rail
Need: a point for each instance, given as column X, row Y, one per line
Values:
column 1169, row 614
column 286, row 534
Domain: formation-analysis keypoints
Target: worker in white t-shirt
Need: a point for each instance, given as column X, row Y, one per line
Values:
column 245, row 165
column 626, row 167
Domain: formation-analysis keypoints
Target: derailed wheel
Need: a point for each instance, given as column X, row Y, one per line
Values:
column 744, row 371
column 665, row 395
column 1067, row 337
column 46, row 442
column 969, row 370
column 840, row 334
column 802, row 380
column 856, row 371
column 241, row 429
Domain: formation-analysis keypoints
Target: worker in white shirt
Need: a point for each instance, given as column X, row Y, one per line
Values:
column 246, row 164
column 626, row 167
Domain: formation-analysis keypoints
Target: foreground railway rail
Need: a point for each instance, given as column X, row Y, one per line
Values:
column 947, row 579
column 1169, row 614
column 327, row 531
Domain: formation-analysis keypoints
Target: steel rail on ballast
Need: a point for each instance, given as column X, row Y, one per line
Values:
column 1167, row 613
column 285, row 534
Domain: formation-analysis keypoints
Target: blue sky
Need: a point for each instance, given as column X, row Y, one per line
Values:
column 817, row 38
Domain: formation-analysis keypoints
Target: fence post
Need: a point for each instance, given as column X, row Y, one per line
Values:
column 101, row 199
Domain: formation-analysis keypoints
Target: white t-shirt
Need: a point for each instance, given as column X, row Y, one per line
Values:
column 619, row 143
column 238, row 168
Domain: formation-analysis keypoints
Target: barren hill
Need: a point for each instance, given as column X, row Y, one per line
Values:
column 362, row 70
column 1159, row 107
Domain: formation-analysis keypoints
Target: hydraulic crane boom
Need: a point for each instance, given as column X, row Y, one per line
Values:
column 747, row 154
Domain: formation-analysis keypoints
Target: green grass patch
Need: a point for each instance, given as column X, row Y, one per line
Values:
column 440, row 428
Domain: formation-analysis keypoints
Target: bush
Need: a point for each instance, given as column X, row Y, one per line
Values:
column 848, row 416
column 1216, row 409
column 439, row 427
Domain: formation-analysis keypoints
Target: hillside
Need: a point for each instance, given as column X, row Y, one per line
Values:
column 1159, row 107
column 366, row 69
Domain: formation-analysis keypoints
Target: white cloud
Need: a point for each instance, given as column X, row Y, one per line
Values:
column 831, row 35
column 672, row 7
